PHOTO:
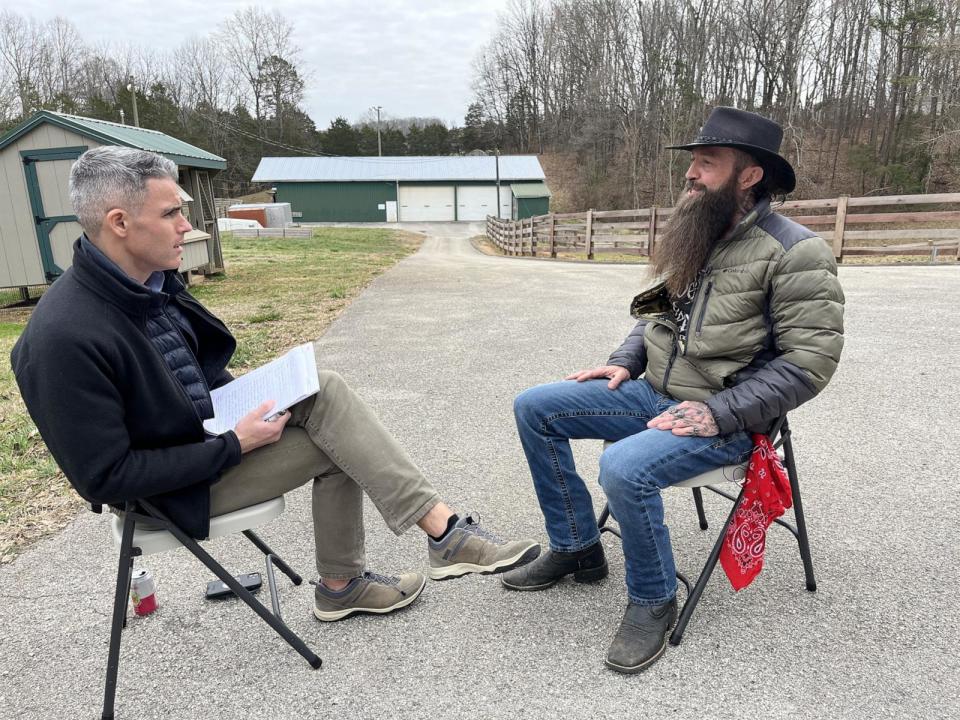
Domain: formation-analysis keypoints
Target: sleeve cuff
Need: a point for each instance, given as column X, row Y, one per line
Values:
column 233, row 448
column 725, row 420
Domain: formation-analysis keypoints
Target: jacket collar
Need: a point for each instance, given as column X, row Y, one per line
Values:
column 759, row 211
column 100, row 275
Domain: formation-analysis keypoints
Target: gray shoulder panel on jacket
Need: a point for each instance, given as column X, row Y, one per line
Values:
column 787, row 232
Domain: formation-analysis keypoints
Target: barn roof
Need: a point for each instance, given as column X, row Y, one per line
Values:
column 403, row 169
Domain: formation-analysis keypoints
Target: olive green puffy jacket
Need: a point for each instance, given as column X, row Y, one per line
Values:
column 765, row 330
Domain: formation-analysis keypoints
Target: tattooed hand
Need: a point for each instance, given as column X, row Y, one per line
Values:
column 692, row 419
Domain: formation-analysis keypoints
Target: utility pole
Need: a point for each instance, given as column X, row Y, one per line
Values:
column 377, row 109
column 133, row 93
column 497, row 151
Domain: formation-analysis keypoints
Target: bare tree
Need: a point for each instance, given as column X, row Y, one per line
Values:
column 22, row 53
column 247, row 39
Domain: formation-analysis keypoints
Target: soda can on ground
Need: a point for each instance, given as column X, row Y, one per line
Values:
column 143, row 592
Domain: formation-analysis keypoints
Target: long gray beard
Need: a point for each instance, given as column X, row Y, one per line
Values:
column 697, row 222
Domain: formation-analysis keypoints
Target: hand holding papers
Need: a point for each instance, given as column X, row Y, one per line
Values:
column 287, row 380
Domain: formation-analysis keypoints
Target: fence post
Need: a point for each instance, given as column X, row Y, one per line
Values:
column 553, row 235
column 838, row 228
column 589, row 234
column 533, row 237
column 651, row 230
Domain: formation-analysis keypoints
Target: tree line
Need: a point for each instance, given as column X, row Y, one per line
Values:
column 867, row 90
column 237, row 92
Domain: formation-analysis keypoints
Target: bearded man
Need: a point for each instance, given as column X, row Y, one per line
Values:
column 744, row 325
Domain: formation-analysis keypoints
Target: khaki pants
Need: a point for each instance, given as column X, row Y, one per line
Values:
column 335, row 440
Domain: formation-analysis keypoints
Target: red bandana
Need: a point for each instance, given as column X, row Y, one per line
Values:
column 766, row 494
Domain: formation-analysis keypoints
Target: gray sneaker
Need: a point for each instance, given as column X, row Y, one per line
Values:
column 469, row 548
column 369, row 593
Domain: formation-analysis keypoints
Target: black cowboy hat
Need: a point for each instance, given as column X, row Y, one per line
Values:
column 752, row 133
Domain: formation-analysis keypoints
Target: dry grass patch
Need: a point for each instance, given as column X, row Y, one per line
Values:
column 276, row 293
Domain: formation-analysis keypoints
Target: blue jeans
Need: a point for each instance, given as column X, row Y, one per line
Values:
column 632, row 471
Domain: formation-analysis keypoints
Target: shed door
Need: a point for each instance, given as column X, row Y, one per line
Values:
column 48, row 172
column 506, row 202
column 419, row 203
column 475, row 202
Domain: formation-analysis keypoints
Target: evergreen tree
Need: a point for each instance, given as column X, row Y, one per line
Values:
column 341, row 138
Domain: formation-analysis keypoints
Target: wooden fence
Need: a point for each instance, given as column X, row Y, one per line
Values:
column 925, row 225
column 288, row 232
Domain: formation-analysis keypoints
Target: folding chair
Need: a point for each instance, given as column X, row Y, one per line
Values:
column 148, row 540
column 780, row 437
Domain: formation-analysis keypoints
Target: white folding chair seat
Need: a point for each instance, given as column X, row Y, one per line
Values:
column 152, row 541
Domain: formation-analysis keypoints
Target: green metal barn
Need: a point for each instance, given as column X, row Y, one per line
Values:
column 407, row 189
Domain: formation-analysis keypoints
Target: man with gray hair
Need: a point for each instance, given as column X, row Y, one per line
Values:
column 116, row 367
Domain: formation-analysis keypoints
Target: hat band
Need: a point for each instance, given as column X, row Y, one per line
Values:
column 721, row 140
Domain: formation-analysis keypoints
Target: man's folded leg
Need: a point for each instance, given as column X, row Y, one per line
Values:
column 372, row 461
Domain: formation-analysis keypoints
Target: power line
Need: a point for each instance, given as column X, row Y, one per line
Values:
column 265, row 140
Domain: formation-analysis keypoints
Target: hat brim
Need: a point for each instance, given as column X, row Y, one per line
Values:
column 780, row 174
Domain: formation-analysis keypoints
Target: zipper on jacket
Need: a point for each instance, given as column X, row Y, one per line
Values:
column 673, row 357
column 673, row 353
column 703, row 310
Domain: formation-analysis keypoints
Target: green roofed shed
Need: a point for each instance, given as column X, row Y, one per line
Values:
column 530, row 199
column 37, row 224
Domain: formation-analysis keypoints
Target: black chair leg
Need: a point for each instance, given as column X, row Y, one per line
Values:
column 698, row 501
column 129, row 583
column 272, row 584
column 277, row 560
column 691, row 604
column 604, row 516
column 802, row 539
column 124, row 568
column 276, row 623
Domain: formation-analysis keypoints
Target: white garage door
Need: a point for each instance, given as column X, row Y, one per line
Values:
column 426, row 204
column 475, row 202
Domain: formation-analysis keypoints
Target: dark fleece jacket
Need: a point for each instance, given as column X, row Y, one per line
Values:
column 102, row 367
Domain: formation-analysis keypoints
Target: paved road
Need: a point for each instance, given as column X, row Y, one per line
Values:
column 440, row 345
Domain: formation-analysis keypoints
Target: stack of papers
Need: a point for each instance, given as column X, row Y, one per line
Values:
column 287, row 380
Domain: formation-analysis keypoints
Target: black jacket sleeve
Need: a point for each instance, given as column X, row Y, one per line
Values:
column 72, row 395
column 754, row 404
column 632, row 354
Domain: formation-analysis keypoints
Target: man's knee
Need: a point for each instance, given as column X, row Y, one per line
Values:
column 623, row 474
column 528, row 406
column 613, row 473
column 328, row 379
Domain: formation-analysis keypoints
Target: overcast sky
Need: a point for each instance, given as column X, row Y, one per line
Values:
column 412, row 57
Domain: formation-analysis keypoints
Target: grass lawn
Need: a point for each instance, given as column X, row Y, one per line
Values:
column 276, row 293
